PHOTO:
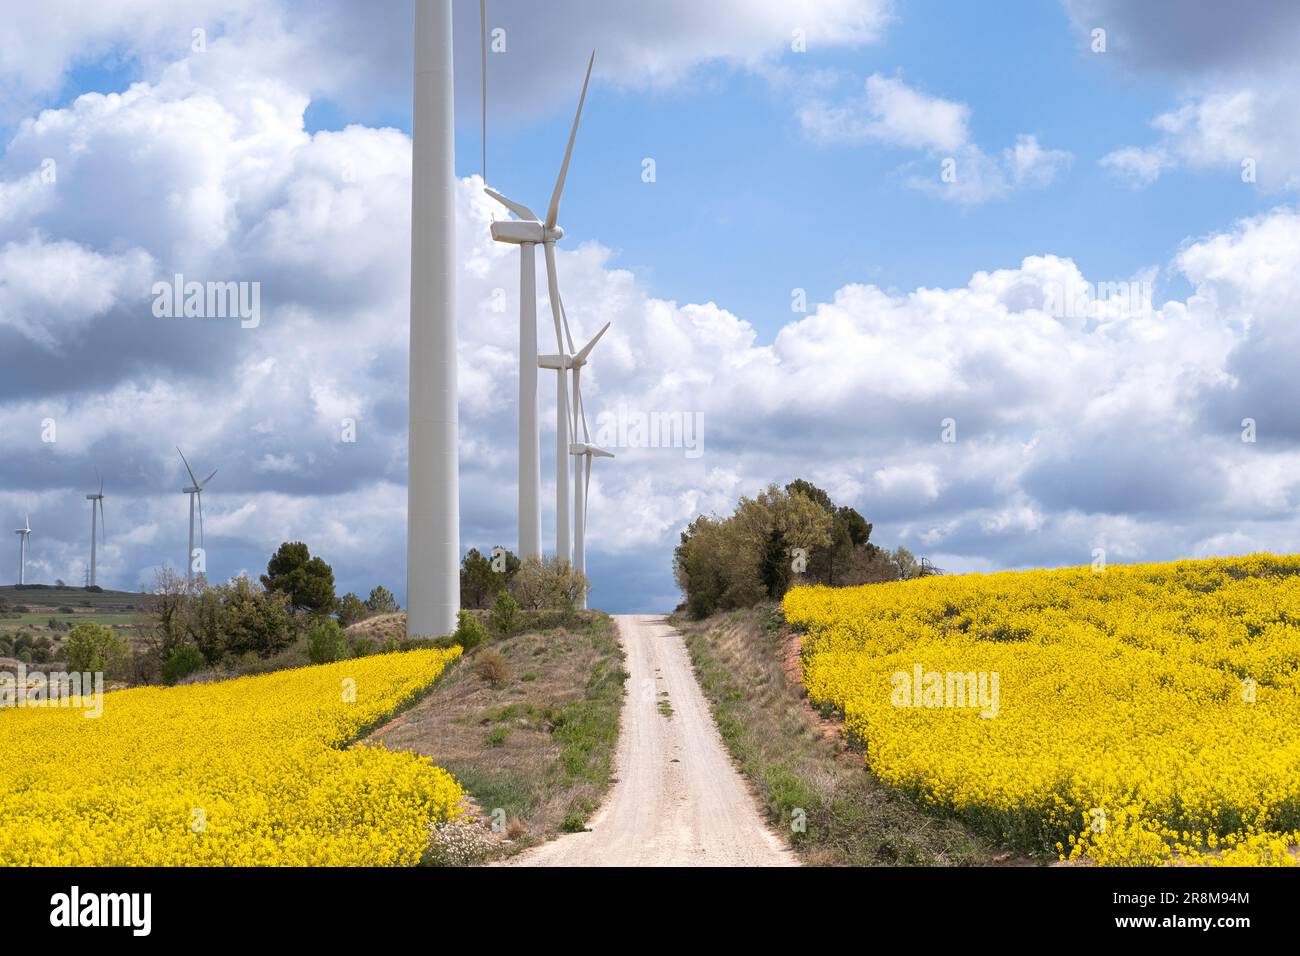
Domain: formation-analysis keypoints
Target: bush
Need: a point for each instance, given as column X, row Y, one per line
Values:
column 505, row 615
column 326, row 642
column 492, row 666
column 456, row 843
column 184, row 660
column 548, row 583
column 362, row 646
column 96, row 649
column 470, row 632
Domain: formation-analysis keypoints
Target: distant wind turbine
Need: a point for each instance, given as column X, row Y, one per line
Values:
column 527, row 232
column 96, row 525
column 195, row 491
column 583, row 452
column 22, row 533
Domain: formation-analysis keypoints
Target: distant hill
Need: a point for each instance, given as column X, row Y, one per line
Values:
column 47, row 595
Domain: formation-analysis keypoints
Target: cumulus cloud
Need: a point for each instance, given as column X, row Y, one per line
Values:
column 359, row 54
column 893, row 113
column 1235, row 68
column 1116, row 428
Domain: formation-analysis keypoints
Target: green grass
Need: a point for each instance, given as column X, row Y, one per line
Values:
column 539, row 746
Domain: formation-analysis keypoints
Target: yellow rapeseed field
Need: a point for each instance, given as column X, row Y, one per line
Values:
column 247, row 772
column 1135, row 715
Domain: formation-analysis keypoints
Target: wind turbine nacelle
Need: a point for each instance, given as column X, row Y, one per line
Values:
column 513, row 230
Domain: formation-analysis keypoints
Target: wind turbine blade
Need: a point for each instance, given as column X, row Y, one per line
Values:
column 202, row 544
column 586, row 494
column 582, row 356
column 568, row 334
column 600, row 452
column 553, row 293
column 209, row 478
column 102, row 532
column 187, row 465
column 519, row 209
column 582, row 409
column 553, row 213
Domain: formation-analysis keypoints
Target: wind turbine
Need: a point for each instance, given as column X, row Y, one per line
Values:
column 195, row 491
column 527, row 232
column 22, row 533
column 96, row 512
column 583, row 452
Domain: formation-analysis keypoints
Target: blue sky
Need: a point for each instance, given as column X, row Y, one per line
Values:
column 279, row 155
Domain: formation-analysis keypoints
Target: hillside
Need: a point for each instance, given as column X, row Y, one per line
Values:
column 46, row 611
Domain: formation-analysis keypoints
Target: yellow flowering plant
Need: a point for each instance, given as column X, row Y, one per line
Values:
column 1145, row 714
column 249, row 772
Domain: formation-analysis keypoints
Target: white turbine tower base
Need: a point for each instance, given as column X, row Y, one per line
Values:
column 23, row 533
column 433, row 461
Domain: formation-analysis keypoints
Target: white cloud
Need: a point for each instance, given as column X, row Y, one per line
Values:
column 1235, row 73
column 1136, row 166
column 342, row 50
column 1120, row 431
column 893, row 113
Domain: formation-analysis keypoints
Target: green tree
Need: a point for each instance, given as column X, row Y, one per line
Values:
column 352, row 609
column 255, row 619
column 325, row 642
column 381, row 601
column 849, row 532
column 480, row 581
column 95, row 648
column 307, row 581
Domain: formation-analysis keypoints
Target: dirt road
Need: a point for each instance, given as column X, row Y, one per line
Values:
column 678, row 801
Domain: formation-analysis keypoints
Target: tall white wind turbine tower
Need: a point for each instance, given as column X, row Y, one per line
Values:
column 583, row 452
column 195, row 491
column 528, row 232
column 22, row 533
column 433, row 481
column 96, row 527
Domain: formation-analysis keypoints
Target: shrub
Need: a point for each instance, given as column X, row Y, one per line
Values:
column 362, row 646
column 455, row 843
column 505, row 614
column 95, row 648
column 491, row 666
column 184, row 660
column 548, row 583
column 326, row 642
column 470, row 632
column 497, row 736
